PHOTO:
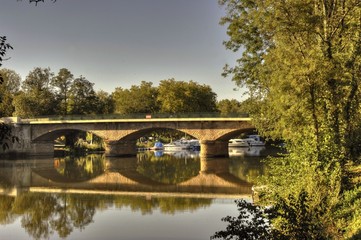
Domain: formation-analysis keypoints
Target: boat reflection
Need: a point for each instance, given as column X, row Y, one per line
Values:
column 246, row 151
column 178, row 154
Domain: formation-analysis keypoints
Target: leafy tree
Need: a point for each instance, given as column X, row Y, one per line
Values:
column 313, row 85
column 105, row 104
column 5, row 132
column 37, row 97
column 226, row 106
column 4, row 46
column 12, row 80
column 9, row 88
column 301, row 62
column 250, row 224
column 295, row 218
column 62, row 83
column 82, row 97
column 137, row 99
column 179, row 96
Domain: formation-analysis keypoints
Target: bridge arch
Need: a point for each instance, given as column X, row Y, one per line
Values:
column 53, row 135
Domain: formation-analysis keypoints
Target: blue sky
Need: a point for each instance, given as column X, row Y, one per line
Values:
column 119, row 43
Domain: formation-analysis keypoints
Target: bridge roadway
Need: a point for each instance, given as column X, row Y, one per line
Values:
column 120, row 135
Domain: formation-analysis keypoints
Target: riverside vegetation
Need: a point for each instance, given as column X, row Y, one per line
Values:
column 301, row 62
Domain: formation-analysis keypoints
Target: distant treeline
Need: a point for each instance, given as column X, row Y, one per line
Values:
column 43, row 93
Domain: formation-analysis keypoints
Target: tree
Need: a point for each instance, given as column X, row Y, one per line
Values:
column 9, row 88
column 62, row 83
column 137, row 99
column 37, row 97
column 4, row 46
column 183, row 97
column 5, row 133
column 295, row 217
column 82, row 97
column 301, row 58
column 301, row 62
column 227, row 107
column 105, row 104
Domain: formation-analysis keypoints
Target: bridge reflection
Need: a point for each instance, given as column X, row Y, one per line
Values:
column 145, row 174
column 55, row 197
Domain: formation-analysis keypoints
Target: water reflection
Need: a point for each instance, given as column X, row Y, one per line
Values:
column 168, row 168
column 59, row 196
column 246, row 151
column 42, row 215
column 80, row 168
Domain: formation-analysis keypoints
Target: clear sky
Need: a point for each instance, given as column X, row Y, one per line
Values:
column 119, row 43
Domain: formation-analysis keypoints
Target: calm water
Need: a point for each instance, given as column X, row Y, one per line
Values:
column 155, row 195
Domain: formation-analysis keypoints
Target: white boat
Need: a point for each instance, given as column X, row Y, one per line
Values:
column 182, row 144
column 238, row 142
column 177, row 145
column 251, row 141
column 194, row 144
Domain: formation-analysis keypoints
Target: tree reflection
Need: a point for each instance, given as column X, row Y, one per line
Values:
column 248, row 169
column 172, row 205
column 37, row 213
column 44, row 214
column 6, row 203
column 81, row 168
column 167, row 168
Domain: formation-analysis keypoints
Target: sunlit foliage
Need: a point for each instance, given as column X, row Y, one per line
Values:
column 301, row 63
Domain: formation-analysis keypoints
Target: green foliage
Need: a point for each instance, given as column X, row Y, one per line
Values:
column 250, row 224
column 179, row 96
column 228, row 107
column 137, row 99
column 5, row 136
column 43, row 94
column 81, row 168
column 105, row 103
column 37, row 97
column 301, row 59
column 170, row 96
column 301, row 63
column 290, row 218
column 11, row 79
column 4, row 47
column 8, row 89
column 82, row 99
column 297, row 218
column 62, row 84
column 166, row 168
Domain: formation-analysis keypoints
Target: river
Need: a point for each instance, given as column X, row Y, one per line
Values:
column 155, row 195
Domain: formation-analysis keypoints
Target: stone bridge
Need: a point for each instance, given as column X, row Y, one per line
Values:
column 120, row 135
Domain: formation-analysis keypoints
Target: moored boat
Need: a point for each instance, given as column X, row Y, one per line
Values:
column 176, row 145
column 157, row 146
column 251, row 141
column 182, row 144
